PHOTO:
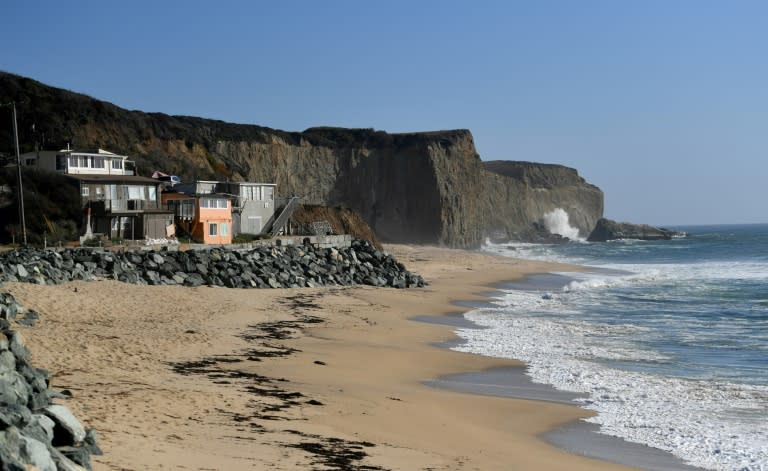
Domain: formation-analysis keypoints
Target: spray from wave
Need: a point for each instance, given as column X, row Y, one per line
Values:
column 557, row 222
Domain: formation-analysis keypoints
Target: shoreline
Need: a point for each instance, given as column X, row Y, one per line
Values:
column 578, row 437
column 289, row 379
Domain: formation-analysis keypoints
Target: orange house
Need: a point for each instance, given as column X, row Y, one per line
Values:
column 207, row 217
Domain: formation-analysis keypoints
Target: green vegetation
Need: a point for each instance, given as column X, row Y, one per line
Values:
column 51, row 204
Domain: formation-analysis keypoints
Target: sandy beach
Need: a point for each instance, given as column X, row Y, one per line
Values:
column 324, row 378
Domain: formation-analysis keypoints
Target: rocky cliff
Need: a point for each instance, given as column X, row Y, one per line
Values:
column 426, row 187
column 524, row 197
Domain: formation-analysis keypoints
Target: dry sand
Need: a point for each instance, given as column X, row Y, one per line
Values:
column 215, row 378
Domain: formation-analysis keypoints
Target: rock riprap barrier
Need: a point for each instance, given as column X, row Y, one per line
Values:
column 262, row 267
column 35, row 433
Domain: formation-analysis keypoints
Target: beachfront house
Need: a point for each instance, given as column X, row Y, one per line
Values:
column 123, row 206
column 201, row 210
column 253, row 205
column 80, row 162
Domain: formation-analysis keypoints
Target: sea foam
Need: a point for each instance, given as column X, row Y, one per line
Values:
column 558, row 222
column 682, row 416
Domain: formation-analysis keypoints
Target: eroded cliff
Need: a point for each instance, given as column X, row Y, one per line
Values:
column 428, row 187
column 520, row 194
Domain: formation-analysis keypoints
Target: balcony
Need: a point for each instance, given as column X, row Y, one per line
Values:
column 122, row 206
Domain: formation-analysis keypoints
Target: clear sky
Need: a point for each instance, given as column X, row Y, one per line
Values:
column 662, row 104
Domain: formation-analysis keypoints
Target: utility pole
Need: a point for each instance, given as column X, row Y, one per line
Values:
column 18, row 170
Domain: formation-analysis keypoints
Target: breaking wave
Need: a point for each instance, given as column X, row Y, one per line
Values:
column 557, row 222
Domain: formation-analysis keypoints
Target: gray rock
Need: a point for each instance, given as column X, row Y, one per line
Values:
column 34, row 429
column 14, row 415
column 273, row 283
column 194, row 279
column 61, row 456
column 7, row 360
column 68, row 431
column 37, row 454
column 29, row 319
column 17, row 346
column 13, row 388
column 9, row 308
column 71, row 458
column 19, row 450
column 606, row 230
column 91, row 442
column 47, row 424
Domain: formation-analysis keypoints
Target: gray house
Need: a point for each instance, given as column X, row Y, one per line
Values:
column 253, row 206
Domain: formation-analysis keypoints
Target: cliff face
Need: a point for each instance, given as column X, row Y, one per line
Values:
column 521, row 193
column 420, row 187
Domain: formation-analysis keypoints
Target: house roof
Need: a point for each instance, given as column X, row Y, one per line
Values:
column 114, row 179
column 89, row 151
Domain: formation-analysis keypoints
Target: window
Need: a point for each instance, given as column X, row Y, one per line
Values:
column 83, row 161
column 224, row 229
column 98, row 162
column 212, row 229
column 252, row 192
column 84, row 191
column 72, row 161
column 213, row 203
column 117, row 164
column 135, row 192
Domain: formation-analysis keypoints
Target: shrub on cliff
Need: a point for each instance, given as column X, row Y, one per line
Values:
column 51, row 203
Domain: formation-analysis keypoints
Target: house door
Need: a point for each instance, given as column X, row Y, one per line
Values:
column 126, row 226
column 253, row 225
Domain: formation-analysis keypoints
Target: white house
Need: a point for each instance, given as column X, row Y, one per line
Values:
column 80, row 162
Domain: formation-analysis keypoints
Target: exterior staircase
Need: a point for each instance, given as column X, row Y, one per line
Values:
column 288, row 210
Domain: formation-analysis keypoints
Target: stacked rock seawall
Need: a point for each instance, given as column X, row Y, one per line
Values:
column 34, row 432
column 261, row 267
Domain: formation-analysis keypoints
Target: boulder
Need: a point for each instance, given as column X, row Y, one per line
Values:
column 17, row 451
column 68, row 431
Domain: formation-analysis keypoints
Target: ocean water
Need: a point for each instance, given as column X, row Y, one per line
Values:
column 667, row 340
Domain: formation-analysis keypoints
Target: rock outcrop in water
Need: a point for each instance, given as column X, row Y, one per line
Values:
column 606, row 230
column 428, row 187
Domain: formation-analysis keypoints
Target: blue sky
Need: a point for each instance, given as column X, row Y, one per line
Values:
column 662, row 104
